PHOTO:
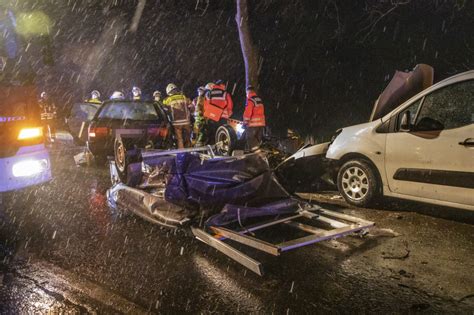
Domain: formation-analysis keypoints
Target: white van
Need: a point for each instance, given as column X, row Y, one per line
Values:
column 422, row 150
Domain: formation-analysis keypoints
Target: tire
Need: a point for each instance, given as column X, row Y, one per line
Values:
column 358, row 183
column 124, row 155
column 226, row 140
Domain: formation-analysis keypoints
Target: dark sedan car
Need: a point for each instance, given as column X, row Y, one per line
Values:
column 121, row 123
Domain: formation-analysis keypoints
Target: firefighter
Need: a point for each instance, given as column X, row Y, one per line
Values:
column 44, row 102
column 157, row 97
column 218, row 103
column 200, row 123
column 117, row 96
column 254, row 120
column 136, row 93
column 218, row 106
column 179, row 107
column 46, row 105
column 95, row 97
column 48, row 116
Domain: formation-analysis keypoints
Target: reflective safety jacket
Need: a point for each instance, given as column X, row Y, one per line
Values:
column 94, row 101
column 198, row 104
column 254, row 114
column 218, row 103
column 178, row 104
column 46, row 106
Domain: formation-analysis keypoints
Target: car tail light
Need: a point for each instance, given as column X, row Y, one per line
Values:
column 162, row 132
column 153, row 131
column 30, row 133
column 98, row 132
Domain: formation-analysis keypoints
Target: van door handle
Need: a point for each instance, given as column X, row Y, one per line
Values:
column 469, row 142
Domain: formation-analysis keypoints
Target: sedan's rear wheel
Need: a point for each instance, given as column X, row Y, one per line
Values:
column 124, row 155
column 357, row 182
column 120, row 155
column 225, row 140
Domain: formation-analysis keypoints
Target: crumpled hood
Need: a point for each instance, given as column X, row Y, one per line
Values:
column 402, row 87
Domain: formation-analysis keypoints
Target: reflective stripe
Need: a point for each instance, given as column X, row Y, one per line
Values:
column 181, row 122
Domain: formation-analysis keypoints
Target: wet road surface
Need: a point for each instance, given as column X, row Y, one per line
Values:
column 63, row 249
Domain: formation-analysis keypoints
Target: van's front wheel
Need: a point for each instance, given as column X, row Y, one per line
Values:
column 358, row 183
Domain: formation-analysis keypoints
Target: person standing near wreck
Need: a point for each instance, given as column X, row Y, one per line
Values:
column 95, row 98
column 218, row 106
column 218, row 103
column 254, row 119
column 136, row 93
column 179, row 107
column 200, row 123
column 157, row 97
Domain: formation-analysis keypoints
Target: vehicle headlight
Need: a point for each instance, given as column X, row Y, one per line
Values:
column 240, row 129
column 29, row 133
column 29, row 168
column 338, row 132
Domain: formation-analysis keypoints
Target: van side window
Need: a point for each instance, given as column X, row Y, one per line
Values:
column 451, row 107
column 413, row 109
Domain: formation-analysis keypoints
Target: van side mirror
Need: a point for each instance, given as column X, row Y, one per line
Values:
column 405, row 124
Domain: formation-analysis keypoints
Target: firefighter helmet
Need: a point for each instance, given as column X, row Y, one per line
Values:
column 117, row 95
column 170, row 88
column 95, row 94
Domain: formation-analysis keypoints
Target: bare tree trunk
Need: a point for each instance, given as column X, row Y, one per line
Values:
column 249, row 51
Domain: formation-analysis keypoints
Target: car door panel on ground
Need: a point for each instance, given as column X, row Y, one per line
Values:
column 81, row 113
column 435, row 158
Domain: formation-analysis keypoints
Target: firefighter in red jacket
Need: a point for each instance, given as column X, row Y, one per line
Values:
column 218, row 107
column 254, row 119
column 218, row 103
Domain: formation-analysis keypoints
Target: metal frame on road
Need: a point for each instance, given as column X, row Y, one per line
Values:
column 336, row 225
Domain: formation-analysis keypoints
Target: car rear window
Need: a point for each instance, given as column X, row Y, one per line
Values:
column 84, row 111
column 129, row 110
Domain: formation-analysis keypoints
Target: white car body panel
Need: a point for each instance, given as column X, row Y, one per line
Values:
column 311, row 151
column 361, row 139
column 422, row 151
column 390, row 151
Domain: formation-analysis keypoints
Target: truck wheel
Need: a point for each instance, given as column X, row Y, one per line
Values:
column 226, row 140
column 358, row 183
column 124, row 155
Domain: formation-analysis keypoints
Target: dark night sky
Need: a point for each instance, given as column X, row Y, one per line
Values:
column 324, row 62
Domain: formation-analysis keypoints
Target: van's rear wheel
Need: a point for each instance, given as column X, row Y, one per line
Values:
column 358, row 183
